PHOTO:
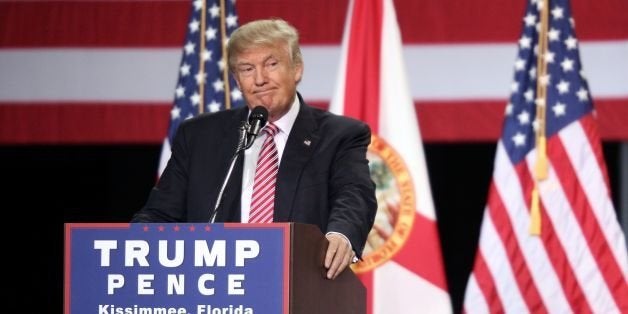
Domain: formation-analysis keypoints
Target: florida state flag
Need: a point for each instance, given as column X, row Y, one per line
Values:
column 402, row 265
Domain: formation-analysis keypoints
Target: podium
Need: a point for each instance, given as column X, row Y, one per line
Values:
column 203, row 268
column 311, row 292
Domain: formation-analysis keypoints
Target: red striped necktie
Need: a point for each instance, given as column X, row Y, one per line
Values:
column 263, row 199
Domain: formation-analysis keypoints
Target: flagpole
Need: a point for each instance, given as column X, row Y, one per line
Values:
column 225, row 72
column 540, row 168
column 201, row 62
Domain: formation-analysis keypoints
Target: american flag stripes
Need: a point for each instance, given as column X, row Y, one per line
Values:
column 101, row 71
column 204, row 83
column 578, row 263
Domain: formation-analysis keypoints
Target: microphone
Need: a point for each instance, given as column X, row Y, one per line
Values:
column 248, row 131
column 239, row 148
column 257, row 120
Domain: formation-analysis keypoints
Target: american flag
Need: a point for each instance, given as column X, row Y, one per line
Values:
column 104, row 72
column 577, row 260
column 204, row 83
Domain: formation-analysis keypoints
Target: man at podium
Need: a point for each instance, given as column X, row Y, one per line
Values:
column 275, row 160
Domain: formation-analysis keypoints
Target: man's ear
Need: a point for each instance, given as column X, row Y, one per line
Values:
column 298, row 72
column 235, row 78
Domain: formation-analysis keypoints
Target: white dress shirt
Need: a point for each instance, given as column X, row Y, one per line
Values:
column 284, row 124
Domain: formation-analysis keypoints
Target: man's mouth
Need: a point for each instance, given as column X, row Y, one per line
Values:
column 263, row 92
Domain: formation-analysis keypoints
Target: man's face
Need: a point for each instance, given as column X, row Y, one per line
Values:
column 267, row 77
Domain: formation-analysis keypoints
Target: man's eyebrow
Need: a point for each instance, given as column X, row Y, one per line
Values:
column 271, row 56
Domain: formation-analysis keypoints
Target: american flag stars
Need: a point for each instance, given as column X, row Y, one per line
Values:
column 550, row 240
column 565, row 85
column 202, row 64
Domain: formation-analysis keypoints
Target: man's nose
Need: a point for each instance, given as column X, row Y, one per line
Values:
column 260, row 76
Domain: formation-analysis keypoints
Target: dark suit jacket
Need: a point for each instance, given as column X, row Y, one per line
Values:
column 323, row 176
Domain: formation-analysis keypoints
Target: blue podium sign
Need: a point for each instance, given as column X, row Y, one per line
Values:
column 176, row 268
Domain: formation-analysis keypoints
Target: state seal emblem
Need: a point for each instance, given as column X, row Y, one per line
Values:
column 395, row 205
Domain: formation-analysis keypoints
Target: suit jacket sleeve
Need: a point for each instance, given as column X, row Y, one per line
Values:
column 166, row 201
column 352, row 192
column 201, row 151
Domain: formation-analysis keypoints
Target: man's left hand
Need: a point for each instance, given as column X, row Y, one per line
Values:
column 339, row 255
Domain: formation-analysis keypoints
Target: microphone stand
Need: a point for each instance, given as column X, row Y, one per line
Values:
column 242, row 145
column 250, row 138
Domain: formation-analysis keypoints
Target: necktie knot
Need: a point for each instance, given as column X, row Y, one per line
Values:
column 271, row 130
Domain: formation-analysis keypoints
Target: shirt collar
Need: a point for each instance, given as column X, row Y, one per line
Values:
column 286, row 122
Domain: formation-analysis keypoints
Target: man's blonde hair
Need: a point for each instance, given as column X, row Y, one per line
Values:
column 264, row 33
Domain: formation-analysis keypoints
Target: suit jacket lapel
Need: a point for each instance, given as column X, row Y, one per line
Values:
column 301, row 143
